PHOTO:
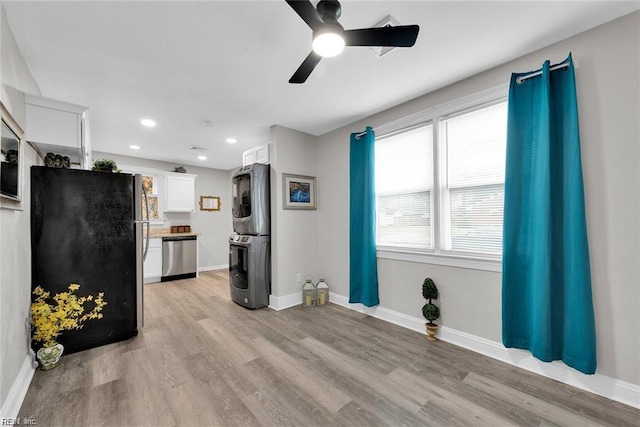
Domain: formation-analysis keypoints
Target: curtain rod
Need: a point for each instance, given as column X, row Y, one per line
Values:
column 520, row 79
column 358, row 135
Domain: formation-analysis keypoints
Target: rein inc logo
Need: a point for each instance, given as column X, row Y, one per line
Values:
column 18, row 421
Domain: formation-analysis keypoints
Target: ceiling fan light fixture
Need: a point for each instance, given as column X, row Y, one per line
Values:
column 330, row 37
column 328, row 44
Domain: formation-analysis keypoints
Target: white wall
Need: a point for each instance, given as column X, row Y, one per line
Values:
column 607, row 74
column 294, row 232
column 15, row 229
column 214, row 227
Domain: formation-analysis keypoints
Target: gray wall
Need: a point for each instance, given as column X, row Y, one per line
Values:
column 294, row 232
column 15, row 230
column 214, row 227
column 607, row 73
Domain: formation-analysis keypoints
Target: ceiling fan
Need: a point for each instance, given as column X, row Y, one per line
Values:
column 329, row 38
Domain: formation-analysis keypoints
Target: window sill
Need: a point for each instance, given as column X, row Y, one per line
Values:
column 482, row 264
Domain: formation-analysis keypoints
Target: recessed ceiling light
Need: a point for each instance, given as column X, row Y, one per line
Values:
column 148, row 123
column 232, row 140
column 134, row 147
column 202, row 157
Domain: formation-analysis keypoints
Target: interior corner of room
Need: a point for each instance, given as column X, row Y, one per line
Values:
column 196, row 198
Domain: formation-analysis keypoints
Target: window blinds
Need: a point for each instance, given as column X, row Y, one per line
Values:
column 404, row 185
column 473, row 149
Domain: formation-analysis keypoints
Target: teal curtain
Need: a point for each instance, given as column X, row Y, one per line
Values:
column 363, row 268
column 547, row 305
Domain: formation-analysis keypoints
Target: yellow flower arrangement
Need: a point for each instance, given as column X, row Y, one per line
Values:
column 65, row 312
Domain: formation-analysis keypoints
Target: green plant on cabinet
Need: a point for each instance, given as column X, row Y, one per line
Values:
column 104, row 165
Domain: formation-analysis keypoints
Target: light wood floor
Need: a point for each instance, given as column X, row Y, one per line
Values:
column 203, row 360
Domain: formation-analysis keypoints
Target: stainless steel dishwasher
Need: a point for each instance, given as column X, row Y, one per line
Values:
column 179, row 257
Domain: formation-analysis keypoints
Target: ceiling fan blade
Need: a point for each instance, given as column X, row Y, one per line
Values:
column 305, row 69
column 400, row 36
column 307, row 12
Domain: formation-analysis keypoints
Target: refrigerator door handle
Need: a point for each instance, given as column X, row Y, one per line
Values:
column 141, row 248
column 146, row 243
column 146, row 246
column 147, row 223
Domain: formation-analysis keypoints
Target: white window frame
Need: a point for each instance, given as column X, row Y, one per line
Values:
column 433, row 115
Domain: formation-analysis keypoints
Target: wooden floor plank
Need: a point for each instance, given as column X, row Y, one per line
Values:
column 72, row 409
column 266, row 412
column 376, row 380
column 107, row 404
column 298, row 406
column 203, row 360
column 147, row 405
column 551, row 412
column 449, row 402
column 465, row 392
column 240, row 352
column 302, row 377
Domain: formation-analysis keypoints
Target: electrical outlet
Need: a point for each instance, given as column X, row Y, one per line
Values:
column 27, row 323
column 299, row 277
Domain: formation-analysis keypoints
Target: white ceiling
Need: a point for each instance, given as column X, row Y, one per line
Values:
column 229, row 62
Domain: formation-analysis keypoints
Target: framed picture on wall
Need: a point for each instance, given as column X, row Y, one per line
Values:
column 298, row 191
column 153, row 208
column 149, row 184
column 210, row 203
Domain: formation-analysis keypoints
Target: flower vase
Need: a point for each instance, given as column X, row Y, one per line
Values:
column 49, row 357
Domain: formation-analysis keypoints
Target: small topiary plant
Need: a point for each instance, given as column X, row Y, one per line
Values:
column 104, row 165
column 429, row 291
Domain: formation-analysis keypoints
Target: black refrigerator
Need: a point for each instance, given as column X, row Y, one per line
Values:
column 87, row 228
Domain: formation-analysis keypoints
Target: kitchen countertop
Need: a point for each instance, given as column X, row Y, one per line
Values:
column 166, row 232
column 160, row 235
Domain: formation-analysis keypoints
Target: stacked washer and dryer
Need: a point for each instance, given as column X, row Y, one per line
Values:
column 250, row 245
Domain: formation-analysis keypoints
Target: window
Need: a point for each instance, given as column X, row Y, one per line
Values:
column 473, row 149
column 404, row 185
column 440, row 183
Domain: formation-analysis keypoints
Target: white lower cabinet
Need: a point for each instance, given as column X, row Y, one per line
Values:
column 153, row 262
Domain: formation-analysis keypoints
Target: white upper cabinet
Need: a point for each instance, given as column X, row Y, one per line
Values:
column 180, row 192
column 58, row 127
column 262, row 153
column 249, row 157
column 259, row 154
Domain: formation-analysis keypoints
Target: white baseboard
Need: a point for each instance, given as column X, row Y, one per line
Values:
column 391, row 316
column 214, row 267
column 286, row 301
column 614, row 389
column 611, row 388
column 18, row 390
